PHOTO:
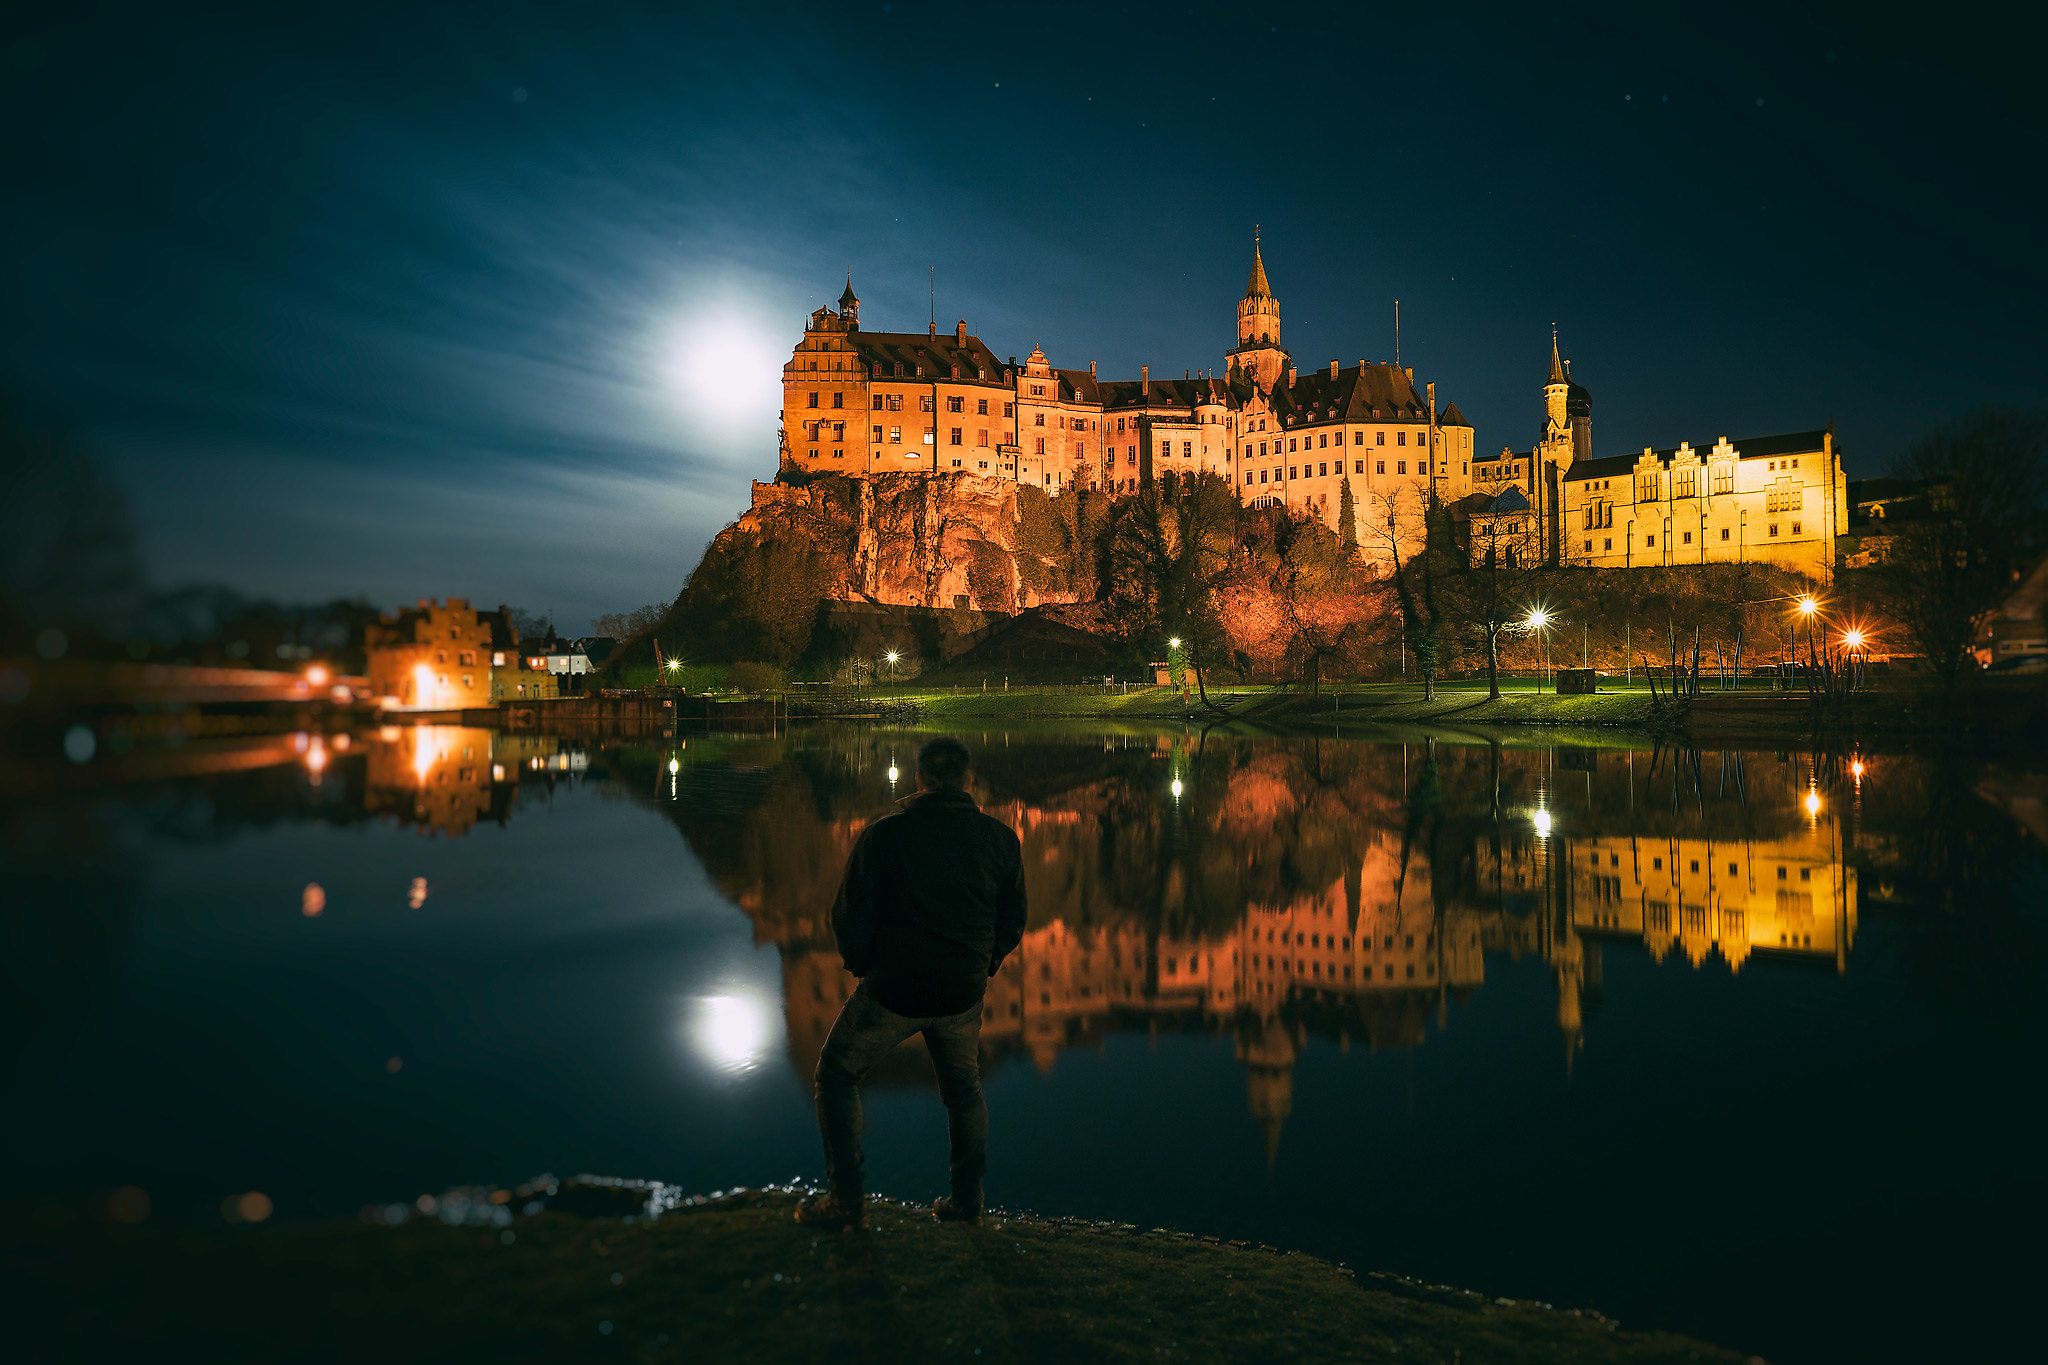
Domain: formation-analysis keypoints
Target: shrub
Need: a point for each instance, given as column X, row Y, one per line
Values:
column 753, row 677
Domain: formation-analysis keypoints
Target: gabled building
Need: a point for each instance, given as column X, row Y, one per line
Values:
column 432, row 657
column 1768, row 500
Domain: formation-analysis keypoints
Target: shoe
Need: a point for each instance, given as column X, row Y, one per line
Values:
column 829, row 1214
column 948, row 1210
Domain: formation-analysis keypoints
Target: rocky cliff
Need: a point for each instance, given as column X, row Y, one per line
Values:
column 915, row 540
column 957, row 544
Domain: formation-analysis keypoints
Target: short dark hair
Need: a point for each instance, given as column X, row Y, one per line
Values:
column 943, row 762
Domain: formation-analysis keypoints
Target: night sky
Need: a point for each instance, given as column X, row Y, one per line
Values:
column 492, row 300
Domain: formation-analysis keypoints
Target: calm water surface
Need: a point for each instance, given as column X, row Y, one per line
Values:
column 1740, row 1044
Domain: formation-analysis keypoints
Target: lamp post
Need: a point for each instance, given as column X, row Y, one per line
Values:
column 1538, row 620
column 891, row 657
column 1808, row 608
column 1855, row 640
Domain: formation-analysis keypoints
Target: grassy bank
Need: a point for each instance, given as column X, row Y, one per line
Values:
column 1393, row 704
column 737, row 1280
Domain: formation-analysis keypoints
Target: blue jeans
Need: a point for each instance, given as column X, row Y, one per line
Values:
column 860, row 1037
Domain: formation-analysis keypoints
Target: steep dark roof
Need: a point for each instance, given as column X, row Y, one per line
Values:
column 1032, row 636
column 1509, row 499
column 1462, row 509
column 1754, row 448
column 1079, row 386
column 936, row 354
column 1162, row 393
column 1452, row 417
column 1368, row 393
column 1884, row 489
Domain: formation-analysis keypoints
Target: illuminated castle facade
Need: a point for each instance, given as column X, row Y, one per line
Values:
column 1778, row 500
column 867, row 403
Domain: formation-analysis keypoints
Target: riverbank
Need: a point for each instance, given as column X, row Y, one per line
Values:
column 1293, row 708
column 2000, row 711
column 734, row 1278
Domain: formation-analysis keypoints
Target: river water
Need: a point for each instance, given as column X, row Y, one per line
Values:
column 1741, row 1044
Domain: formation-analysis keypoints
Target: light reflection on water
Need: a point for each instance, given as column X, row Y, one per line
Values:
column 1633, row 1028
column 734, row 1032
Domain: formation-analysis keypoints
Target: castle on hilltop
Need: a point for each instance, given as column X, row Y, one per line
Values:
column 864, row 403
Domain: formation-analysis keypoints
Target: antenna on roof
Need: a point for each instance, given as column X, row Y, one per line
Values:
column 932, row 293
column 1397, row 334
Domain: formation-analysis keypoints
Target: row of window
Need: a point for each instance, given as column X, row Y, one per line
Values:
column 1322, row 470
column 1650, row 541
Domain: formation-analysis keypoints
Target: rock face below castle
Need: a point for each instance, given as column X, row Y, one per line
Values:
column 919, row 540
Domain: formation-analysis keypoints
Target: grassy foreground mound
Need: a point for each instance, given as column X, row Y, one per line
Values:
column 736, row 1279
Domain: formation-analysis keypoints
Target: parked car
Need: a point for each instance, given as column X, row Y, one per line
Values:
column 2021, row 663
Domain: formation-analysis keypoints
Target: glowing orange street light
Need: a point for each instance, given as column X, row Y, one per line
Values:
column 1807, row 605
column 1853, row 638
column 318, row 675
column 1813, row 803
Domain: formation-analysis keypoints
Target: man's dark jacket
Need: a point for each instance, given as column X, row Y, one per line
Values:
column 932, row 903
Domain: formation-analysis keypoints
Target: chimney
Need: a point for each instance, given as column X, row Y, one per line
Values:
column 932, row 327
column 1091, row 369
column 1361, row 364
column 1145, row 379
column 1333, row 369
column 1290, row 376
column 960, row 332
column 1410, row 372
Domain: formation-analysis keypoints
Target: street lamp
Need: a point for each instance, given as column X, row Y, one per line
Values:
column 1808, row 607
column 890, row 659
column 1538, row 619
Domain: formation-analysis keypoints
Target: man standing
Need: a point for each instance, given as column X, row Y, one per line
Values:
column 932, row 903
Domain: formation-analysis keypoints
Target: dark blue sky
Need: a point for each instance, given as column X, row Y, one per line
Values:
column 491, row 300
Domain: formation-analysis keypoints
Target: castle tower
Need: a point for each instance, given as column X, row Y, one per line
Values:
column 1258, row 312
column 1578, row 410
column 1258, row 351
column 849, row 305
column 1556, row 391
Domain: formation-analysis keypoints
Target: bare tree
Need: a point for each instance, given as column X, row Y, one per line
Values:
column 1985, row 519
column 1493, row 595
column 1173, row 545
column 1313, row 580
column 1398, row 524
column 624, row 625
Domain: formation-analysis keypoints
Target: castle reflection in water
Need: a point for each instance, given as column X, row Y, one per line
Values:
column 1277, row 889
column 1271, row 890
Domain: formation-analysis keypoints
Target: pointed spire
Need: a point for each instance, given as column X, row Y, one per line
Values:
column 848, row 299
column 1257, row 287
column 1556, row 365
